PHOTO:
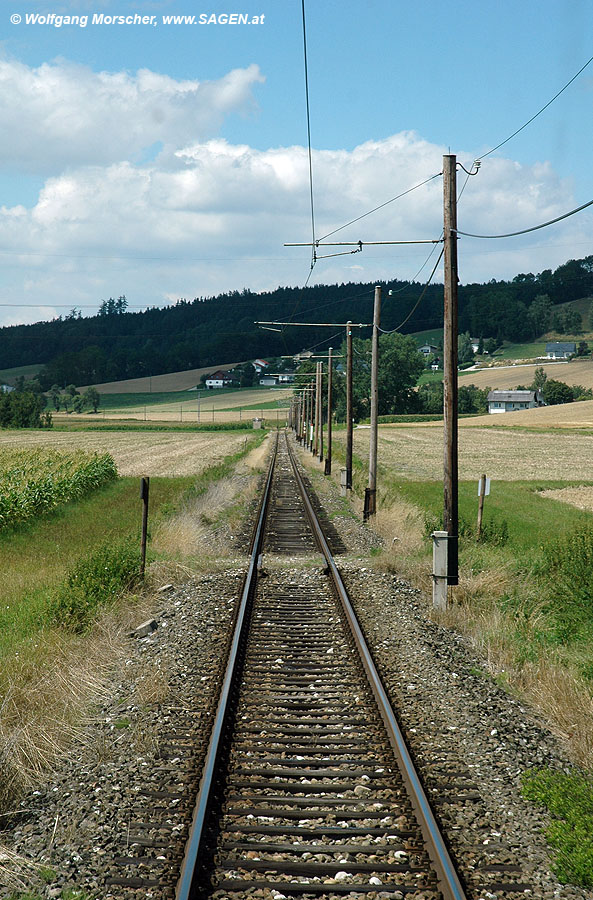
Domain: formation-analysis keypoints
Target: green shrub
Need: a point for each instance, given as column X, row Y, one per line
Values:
column 569, row 799
column 96, row 580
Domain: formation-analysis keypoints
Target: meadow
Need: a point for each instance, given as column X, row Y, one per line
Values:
column 203, row 407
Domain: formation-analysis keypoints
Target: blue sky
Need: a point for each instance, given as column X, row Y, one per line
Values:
column 165, row 161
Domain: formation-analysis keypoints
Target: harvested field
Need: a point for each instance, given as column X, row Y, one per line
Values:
column 213, row 406
column 138, row 453
column 565, row 415
column 581, row 496
column 579, row 371
column 416, row 452
column 172, row 381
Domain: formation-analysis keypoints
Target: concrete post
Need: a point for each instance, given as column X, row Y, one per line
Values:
column 439, row 569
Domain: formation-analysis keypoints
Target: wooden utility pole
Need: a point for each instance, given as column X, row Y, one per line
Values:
column 349, row 406
column 451, row 485
column 144, row 492
column 297, row 428
column 316, row 413
column 481, row 495
column 370, row 494
column 320, row 405
column 328, row 455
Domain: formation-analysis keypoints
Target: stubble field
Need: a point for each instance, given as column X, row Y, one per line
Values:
column 416, row 453
column 138, row 453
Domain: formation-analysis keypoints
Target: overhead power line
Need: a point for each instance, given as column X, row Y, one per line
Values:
column 419, row 300
column 381, row 206
column 313, row 259
column 538, row 113
column 527, row 230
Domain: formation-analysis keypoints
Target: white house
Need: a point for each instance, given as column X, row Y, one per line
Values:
column 560, row 349
column 218, row 380
column 286, row 377
column 6, row 388
column 260, row 365
column 427, row 349
column 268, row 380
column 510, row 401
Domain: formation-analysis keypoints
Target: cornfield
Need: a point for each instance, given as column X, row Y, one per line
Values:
column 33, row 483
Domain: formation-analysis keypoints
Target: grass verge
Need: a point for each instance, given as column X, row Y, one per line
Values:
column 61, row 633
column 569, row 800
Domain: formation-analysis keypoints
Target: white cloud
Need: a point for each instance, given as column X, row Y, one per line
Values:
column 209, row 216
column 62, row 114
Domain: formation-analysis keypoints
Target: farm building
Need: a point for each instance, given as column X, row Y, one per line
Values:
column 560, row 349
column 219, row 380
column 510, row 401
column 260, row 365
column 268, row 379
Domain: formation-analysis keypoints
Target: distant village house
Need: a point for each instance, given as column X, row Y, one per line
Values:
column 218, row 380
column 428, row 349
column 560, row 349
column 511, row 401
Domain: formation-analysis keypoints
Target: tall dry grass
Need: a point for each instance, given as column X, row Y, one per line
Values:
column 49, row 691
column 205, row 528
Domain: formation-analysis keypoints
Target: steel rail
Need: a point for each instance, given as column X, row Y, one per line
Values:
column 186, row 887
column 448, row 880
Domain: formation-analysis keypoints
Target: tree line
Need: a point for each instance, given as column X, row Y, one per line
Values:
column 208, row 331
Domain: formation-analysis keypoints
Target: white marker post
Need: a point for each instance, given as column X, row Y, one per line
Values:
column 483, row 491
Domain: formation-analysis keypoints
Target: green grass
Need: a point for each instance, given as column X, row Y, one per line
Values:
column 10, row 375
column 269, row 404
column 528, row 515
column 158, row 398
column 431, row 336
column 37, row 557
column 569, row 800
column 531, row 350
column 428, row 376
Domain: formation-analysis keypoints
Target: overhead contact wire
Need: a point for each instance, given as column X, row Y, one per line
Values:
column 313, row 254
column 419, row 300
column 381, row 206
column 527, row 230
column 539, row 112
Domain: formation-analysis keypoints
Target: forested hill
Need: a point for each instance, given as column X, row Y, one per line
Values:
column 118, row 344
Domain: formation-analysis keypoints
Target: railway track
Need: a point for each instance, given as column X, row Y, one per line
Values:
column 307, row 788
column 302, row 793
